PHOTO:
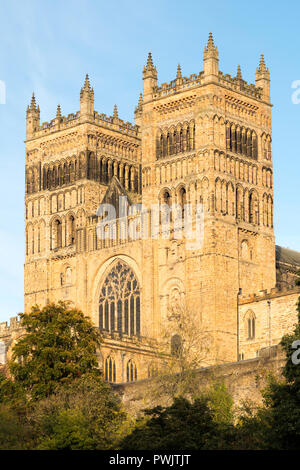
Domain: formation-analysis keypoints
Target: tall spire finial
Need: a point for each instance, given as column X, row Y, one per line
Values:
column 178, row 72
column 87, row 83
column 262, row 66
column 115, row 112
column 239, row 73
column 139, row 106
column 149, row 65
column 140, row 100
column 58, row 111
column 210, row 43
column 87, row 89
column 86, row 99
column 33, row 103
column 262, row 79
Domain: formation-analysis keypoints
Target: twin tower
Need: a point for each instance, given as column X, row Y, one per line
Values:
column 203, row 139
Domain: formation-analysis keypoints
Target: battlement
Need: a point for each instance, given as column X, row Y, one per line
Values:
column 240, row 85
column 266, row 295
column 210, row 74
column 13, row 324
column 195, row 80
column 178, row 85
column 73, row 119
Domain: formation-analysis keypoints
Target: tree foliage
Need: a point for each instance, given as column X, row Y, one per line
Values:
column 184, row 425
column 59, row 345
column 276, row 424
column 83, row 415
column 283, row 397
column 15, row 433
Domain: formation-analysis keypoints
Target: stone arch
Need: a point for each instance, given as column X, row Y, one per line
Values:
column 56, row 232
column 250, row 325
column 253, row 207
column 131, row 371
column 110, row 369
column 119, row 300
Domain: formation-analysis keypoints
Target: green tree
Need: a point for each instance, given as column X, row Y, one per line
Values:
column 83, row 415
column 220, row 401
column 15, row 433
column 59, row 345
column 182, row 426
column 283, row 397
column 276, row 424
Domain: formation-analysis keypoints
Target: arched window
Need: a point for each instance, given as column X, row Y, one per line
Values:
column 182, row 198
column 161, row 153
column 250, row 324
column 244, row 250
column 71, row 230
column 119, row 302
column 49, row 178
column 57, row 233
column 131, row 372
column 166, row 199
column 176, row 345
column 152, row 371
column 68, row 275
column 110, row 370
column 253, row 208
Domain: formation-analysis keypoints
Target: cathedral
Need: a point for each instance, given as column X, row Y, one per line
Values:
column 198, row 141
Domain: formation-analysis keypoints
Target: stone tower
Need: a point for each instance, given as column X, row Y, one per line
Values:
column 207, row 138
column 203, row 139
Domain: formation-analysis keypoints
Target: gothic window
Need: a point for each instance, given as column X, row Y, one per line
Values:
column 244, row 250
column 174, row 141
column 68, row 275
column 253, row 208
column 166, row 199
column 119, row 302
column 182, row 199
column 152, row 371
column 241, row 140
column 251, row 328
column 56, row 234
column 110, row 370
column 71, row 230
column 131, row 372
column 250, row 324
column 188, row 138
column 161, row 152
column 49, row 179
column 91, row 166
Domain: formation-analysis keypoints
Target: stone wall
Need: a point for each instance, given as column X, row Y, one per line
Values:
column 244, row 380
column 9, row 333
column 274, row 314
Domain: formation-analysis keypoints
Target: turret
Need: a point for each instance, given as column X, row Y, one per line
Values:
column 32, row 118
column 263, row 78
column 86, row 101
column 211, row 61
column 138, row 111
column 239, row 73
column 149, row 79
column 178, row 77
column 115, row 115
column 58, row 118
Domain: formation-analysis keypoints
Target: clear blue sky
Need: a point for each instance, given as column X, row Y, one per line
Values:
column 49, row 46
